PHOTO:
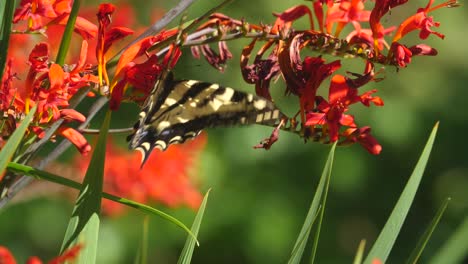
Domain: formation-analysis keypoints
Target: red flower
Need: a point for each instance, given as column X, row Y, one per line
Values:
column 344, row 12
column 380, row 9
column 50, row 88
column 7, row 258
column 420, row 21
column 332, row 113
column 164, row 178
column 55, row 12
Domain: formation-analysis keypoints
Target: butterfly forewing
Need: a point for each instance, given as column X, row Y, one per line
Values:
column 178, row 110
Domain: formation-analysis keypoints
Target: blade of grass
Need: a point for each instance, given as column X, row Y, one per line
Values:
column 13, row 142
column 142, row 256
column 301, row 241
column 360, row 252
column 384, row 243
column 320, row 217
column 67, row 34
column 414, row 257
column 7, row 9
column 455, row 250
column 83, row 226
column 32, row 172
column 186, row 255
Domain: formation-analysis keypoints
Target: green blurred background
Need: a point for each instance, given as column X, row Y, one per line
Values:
column 259, row 198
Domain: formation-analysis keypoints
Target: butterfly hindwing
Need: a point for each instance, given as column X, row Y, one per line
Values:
column 179, row 110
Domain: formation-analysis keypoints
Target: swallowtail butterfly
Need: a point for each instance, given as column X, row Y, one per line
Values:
column 178, row 110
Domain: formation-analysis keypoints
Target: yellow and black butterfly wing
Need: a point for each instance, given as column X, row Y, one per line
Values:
column 178, row 110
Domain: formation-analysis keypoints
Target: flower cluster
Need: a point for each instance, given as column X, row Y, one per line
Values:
column 322, row 119
column 47, row 85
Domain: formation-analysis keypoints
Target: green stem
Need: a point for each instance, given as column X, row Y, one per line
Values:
column 5, row 33
column 66, row 38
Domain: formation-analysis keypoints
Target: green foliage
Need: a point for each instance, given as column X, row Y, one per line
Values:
column 6, row 13
column 83, row 227
column 10, row 147
column 30, row 171
column 456, row 247
column 316, row 207
column 384, row 244
column 187, row 252
column 414, row 257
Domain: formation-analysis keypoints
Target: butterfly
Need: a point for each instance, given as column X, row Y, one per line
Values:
column 177, row 110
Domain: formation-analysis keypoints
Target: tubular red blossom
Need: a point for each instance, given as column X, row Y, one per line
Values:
column 268, row 142
column 56, row 77
column 423, row 50
column 39, row 57
column 35, row 10
column 401, row 54
column 366, row 99
column 105, row 13
column 6, row 257
column 285, row 19
column 364, row 36
column 420, row 21
column 331, row 113
column 380, row 9
column 85, row 28
column 68, row 255
column 316, row 71
column 72, row 115
column 117, row 95
column 345, row 12
column 115, row 34
column 218, row 61
column 143, row 76
column 318, row 11
column 8, row 93
column 104, row 18
column 56, row 12
column 34, row 260
column 133, row 52
column 363, row 136
column 76, row 138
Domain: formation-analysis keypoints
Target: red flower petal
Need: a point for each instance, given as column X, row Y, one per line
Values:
column 72, row 114
column 105, row 13
column 34, row 260
column 68, row 255
column 114, row 34
column 56, row 77
column 76, row 138
column 6, row 257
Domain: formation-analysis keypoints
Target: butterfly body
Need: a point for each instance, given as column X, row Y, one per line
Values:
column 178, row 110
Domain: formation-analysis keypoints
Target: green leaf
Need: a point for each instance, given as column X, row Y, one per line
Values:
column 142, row 256
column 384, row 243
column 7, row 9
column 414, row 257
column 83, row 226
column 360, row 252
column 322, row 187
column 13, row 142
column 455, row 250
column 186, row 255
column 30, row 171
column 67, row 34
